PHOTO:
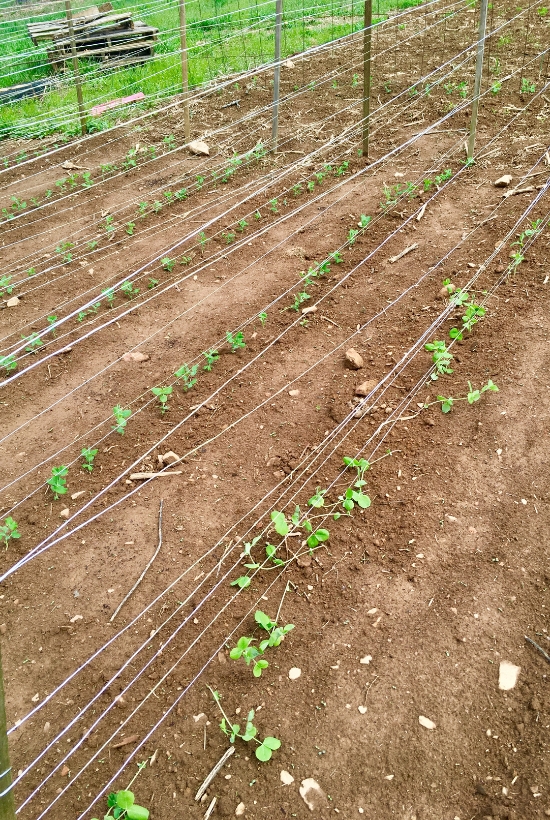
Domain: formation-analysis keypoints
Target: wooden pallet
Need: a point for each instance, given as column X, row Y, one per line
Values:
column 98, row 34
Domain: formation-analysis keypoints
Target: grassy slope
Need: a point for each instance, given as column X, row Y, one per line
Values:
column 222, row 37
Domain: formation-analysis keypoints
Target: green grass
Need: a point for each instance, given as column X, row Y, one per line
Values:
column 222, row 40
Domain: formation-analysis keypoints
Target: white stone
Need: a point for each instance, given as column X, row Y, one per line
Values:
column 13, row 302
column 135, row 356
column 199, row 147
column 64, row 513
column 508, row 675
column 74, row 496
column 239, row 811
column 426, row 722
column 503, row 181
column 366, row 659
column 293, row 393
column 362, row 710
column 294, row 673
column 286, row 778
column 312, row 794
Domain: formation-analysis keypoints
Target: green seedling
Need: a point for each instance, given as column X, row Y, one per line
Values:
column 9, row 531
column 57, row 482
column 341, row 170
column 109, row 294
column 253, row 654
column 185, row 260
column 169, row 196
column 473, row 395
column 124, row 807
column 8, row 363
column 355, row 495
column 34, row 342
column 199, row 182
column 130, row 160
column 229, row 237
column 242, row 225
column 162, row 394
column 427, row 184
column 265, row 747
column 297, row 189
column 527, row 86
column 443, row 177
column 364, row 221
column 142, row 209
column 128, row 289
column 168, row 264
column 235, row 340
column 496, row 86
column 152, row 149
column 352, row 236
column 170, row 141
column 88, row 455
column 64, row 249
column 152, row 283
column 5, row 286
column 187, row 374
column 355, row 81
column 441, row 358
column 336, row 257
column 211, row 357
column 121, row 416
column 109, row 226
column 87, row 180
column 274, row 206
column 157, row 206
column 310, row 185
column 18, row 204
column 257, row 215
column 107, row 168
column 299, row 300
column 51, row 321
column 473, row 313
column 31, row 272
column 203, row 239
column 130, row 228
column 263, row 318
column 181, row 195
column 92, row 244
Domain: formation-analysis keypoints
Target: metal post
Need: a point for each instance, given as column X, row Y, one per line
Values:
column 76, row 70
column 479, row 71
column 7, row 804
column 367, row 33
column 184, row 71
column 276, row 74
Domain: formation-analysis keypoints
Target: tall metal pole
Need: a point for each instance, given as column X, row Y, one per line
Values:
column 76, row 69
column 184, row 71
column 277, row 73
column 366, row 74
column 479, row 71
column 7, row 804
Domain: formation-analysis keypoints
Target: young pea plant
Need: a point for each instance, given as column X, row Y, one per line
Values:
column 253, row 654
column 130, row 228
column 263, row 318
column 121, row 416
column 441, row 358
column 265, row 747
column 5, row 286
column 9, row 531
column 168, row 264
column 186, row 374
column 299, row 300
column 88, row 455
column 34, row 342
column 8, row 363
column 64, row 249
column 128, row 289
column 355, row 495
column 229, row 237
column 211, row 357
column 57, row 482
column 472, row 396
column 152, row 283
column 527, row 86
column 109, row 294
column 162, row 394
column 235, row 340
column 473, row 313
column 123, row 803
column 444, row 176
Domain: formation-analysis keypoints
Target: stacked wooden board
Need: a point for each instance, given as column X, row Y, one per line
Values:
column 99, row 34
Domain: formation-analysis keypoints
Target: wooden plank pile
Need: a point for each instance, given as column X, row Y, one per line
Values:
column 100, row 34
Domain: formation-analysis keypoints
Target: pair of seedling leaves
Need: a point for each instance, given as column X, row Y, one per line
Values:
column 124, row 807
column 253, row 654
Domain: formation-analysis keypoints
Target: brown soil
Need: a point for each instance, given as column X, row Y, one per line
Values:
column 438, row 581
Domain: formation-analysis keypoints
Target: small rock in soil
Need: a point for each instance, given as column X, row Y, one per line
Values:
column 64, row 513
column 3, row 629
column 47, row 726
column 426, row 722
column 65, row 771
column 504, row 181
column 508, row 675
column 286, row 778
column 446, row 291
column 304, row 561
column 13, row 302
column 312, row 794
column 239, row 811
column 169, row 458
column 200, row 148
column 362, row 709
column 293, row 393
column 310, row 309
column 365, row 388
column 288, row 64
column 74, row 496
column 366, row 659
column 294, row 673
column 353, row 359
column 135, row 356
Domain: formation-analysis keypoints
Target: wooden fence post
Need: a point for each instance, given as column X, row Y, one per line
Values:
column 479, row 71
column 366, row 74
column 76, row 69
column 184, row 71
column 7, row 803
column 276, row 74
